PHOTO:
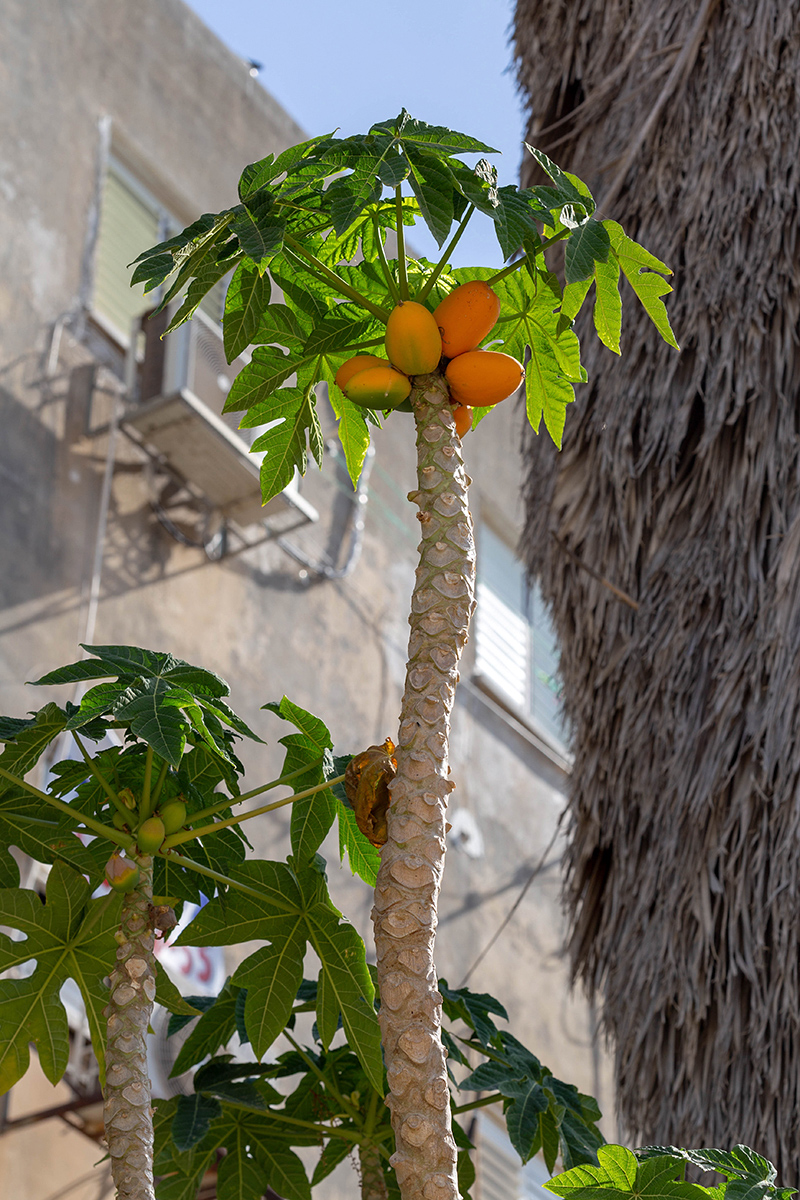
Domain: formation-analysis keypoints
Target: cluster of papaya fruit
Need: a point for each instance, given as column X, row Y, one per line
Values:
column 417, row 340
column 122, row 874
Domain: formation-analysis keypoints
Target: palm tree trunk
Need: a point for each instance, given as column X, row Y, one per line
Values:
column 413, row 858
column 127, row 1112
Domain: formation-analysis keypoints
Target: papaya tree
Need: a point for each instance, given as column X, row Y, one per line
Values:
column 324, row 223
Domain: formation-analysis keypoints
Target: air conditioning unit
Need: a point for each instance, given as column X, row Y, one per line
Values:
column 181, row 385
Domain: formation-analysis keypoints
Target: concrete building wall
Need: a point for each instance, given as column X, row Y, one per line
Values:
column 152, row 84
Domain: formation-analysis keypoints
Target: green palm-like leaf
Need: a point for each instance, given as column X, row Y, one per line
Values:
column 247, row 296
column 23, row 753
column 292, row 909
column 70, row 936
column 529, row 320
column 643, row 272
column 618, row 1175
column 271, row 976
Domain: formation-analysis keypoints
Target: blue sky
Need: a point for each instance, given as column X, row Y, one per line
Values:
column 351, row 63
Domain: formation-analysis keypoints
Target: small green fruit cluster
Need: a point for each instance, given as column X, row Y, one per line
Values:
column 150, row 834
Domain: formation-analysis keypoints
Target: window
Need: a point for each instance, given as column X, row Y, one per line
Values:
column 501, row 1176
column 516, row 654
column 132, row 220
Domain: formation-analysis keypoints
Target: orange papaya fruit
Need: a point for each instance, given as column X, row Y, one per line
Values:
column 378, row 387
column 413, row 342
column 462, row 415
column 360, row 362
column 466, row 316
column 482, row 377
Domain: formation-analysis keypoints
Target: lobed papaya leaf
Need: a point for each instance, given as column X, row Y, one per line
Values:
column 168, row 996
column 267, row 370
column 643, row 272
column 247, row 297
column 258, row 174
column 608, row 304
column 408, row 130
column 23, row 824
column 568, row 188
column 290, row 906
column 618, row 1174
column 529, row 321
column 214, row 1029
column 30, row 742
column 473, row 1008
column 434, row 187
column 293, row 433
column 363, row 857
column 334, row 1151
column 271, row 977
column 515, row 218
column 588, row 245
column 10, row 727
column 352, row 431
column 69, row 936
column 311, row 818
column 465, row 1168
column 256, row 1159
column 259, row 228
column 206, row 279
column 349, row 195
column 278, row 325
column 192, row 1120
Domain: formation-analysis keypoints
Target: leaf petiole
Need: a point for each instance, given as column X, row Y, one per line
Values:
column 333, row 280
column 484, row 1100
column 390, row 283
column 446, row 253
column 100, row 777
column 520, row 262
column 229, row 801
column 144, row 804
column 112, row 835
column 177, row 839
column 347, row 1105
column 162, row 775
column 401, row 243
column 179, row 860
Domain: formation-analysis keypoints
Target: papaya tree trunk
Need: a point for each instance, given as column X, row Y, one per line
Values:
column 373, row 1181
column 126, row 1111
column 412, row 860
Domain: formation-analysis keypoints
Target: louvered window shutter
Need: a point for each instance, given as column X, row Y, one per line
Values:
column 515, row 647
column 128, row 225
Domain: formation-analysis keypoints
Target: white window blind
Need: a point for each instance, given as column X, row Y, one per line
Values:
column 132, row 220
column 516, row 653
column 129, row 224
column 500, row 1174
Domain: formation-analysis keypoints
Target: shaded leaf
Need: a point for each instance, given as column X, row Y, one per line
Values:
column 589, row 244
column 168, row 996
column 271, row 976
column 247, row 297
column 192, row 1119
column 214, row 1029
column 70, row 936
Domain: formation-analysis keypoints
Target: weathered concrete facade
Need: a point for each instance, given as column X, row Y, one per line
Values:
column 151, row 86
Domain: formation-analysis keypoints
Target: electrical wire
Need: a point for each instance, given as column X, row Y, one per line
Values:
column 536, row 870
column 326, row 570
